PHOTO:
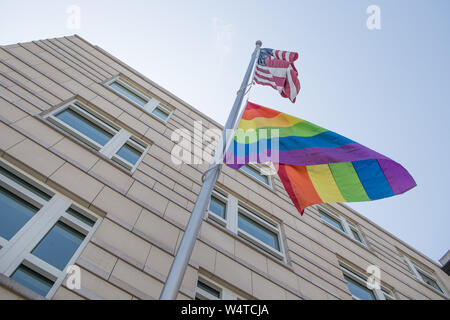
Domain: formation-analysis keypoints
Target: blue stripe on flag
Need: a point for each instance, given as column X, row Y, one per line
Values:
column 373, row 179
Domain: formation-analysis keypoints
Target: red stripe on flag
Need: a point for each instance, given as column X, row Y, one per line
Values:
column 280, row 73
column 303, row 189
column 288, row 187
column 253, row 111
column 259, row 69
column 272, row 84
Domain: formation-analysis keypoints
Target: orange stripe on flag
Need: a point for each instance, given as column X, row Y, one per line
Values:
column 253, row 111
column 302, row 186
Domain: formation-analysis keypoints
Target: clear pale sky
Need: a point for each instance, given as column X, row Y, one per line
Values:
column 388, row 89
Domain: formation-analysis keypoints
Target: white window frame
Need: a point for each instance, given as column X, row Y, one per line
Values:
column 388, row 294
column 275, row 228
column 333, row 216
column 353, row 227
column 136, row 144
column 223, row 198
column 130, row 87
column 382, row 293
column 416, row 270
column 119, row 138
column 83, row 111
column 164, row 109
column 225, row 294
column 234, row 207
column 346, row 225
column 151, row 104
column 258, row 167
column 17, row 250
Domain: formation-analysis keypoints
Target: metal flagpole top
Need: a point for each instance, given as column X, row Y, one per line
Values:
column 259, row 43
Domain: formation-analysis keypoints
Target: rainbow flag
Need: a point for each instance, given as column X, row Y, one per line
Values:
column 315, row 165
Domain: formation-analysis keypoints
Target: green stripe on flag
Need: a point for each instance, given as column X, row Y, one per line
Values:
column 301, row 129
column 348, row 182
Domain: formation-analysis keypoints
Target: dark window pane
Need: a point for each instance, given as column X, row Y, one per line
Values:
column 24, row 184
column 256, row 173
column 387, row 294
column 217, row 207
column 334, row 222
column 258, row 231
column 32, row 280
column 129, row 153
column 80, row 217
column 160, row 113
column 128, row 93
column 386, row 291
column 143, row 145
column 14, row 213
column 58, row 245
column 84, row 126
column 430, row 281
column 356, row 235
column 210, row 290
column 358, row 290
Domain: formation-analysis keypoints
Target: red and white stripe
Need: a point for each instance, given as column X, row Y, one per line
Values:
column 280, row 73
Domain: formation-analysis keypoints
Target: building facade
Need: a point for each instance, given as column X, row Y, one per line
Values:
column 92, row 206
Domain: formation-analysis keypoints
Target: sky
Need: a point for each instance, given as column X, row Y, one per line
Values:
column 387, row 88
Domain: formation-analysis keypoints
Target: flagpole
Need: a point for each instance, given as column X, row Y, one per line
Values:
column 178, row 269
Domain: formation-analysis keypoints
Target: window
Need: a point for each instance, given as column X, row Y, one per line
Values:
column 358, row 290
column 25, row 184
column 341, row 224
column 357, row 285
column 388, row 295
column 41, row 232
column 136, row 96
column 81, row 217
column 88, row 125
column 14, row 213
column 218, row 207
column 255, row 172
column 129, row 92
column 426, row 277
column 207, row 291
column 102, row 135
column 210, row 290
column 130, row 154
column 162, row 112
column 357, row 235
column 59, row 245
column 252, row 225
column 246, row 222
column 336, row 223
column 32, row 280
column 430, row 281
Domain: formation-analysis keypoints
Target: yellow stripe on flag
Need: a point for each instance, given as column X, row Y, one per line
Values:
column 325, row 185
column 282, row 120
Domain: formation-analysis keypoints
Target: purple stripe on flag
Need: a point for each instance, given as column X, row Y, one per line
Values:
column 398, row 177
column 315, row 156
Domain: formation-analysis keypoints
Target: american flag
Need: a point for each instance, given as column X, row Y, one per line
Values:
column 276, row 68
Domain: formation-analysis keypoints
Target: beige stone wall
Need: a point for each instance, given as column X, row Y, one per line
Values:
column 145, row 213
column 6, row 294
